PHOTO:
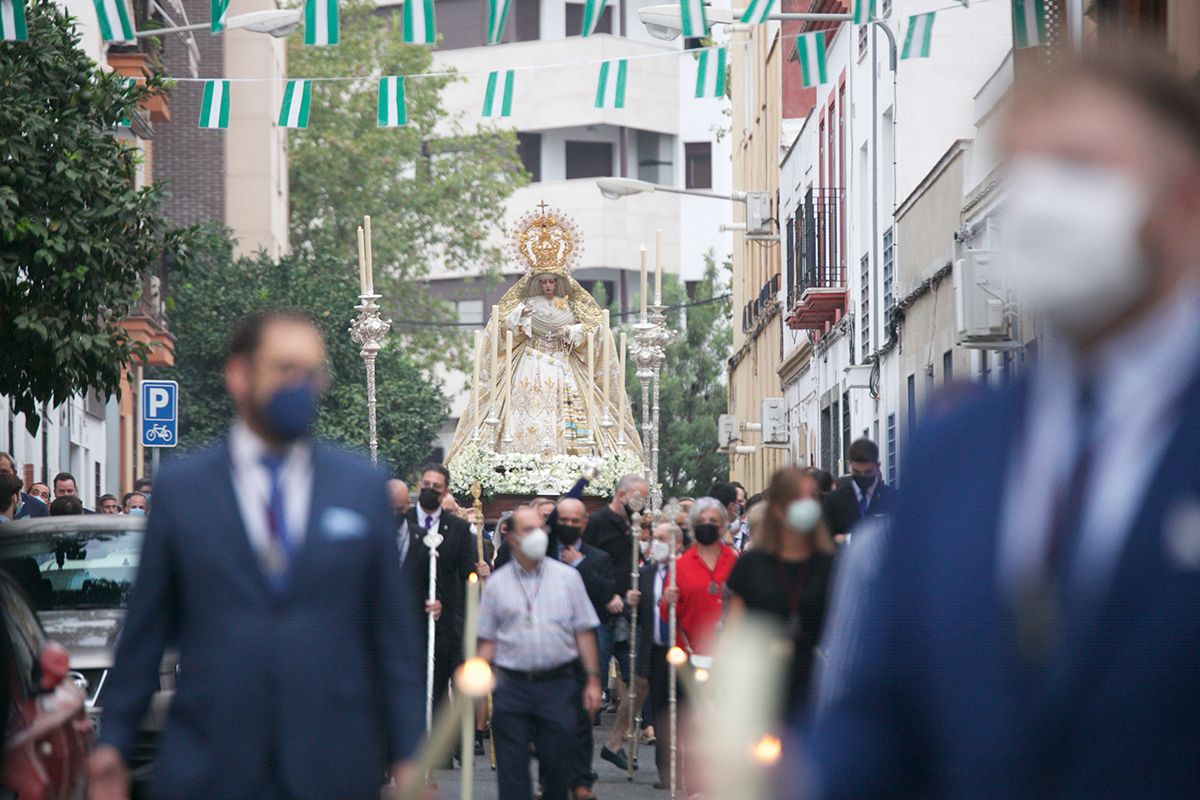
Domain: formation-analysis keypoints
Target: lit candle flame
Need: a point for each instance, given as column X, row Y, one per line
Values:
column 766, row 750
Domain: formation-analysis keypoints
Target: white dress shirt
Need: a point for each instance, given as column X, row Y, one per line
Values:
column 435, row 516
column 252, row 485
column 660, row 581
column 1139, row 379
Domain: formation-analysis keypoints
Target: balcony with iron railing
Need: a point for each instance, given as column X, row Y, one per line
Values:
column 816, row 263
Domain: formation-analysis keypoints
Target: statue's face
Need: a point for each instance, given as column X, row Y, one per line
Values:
column 548, row 285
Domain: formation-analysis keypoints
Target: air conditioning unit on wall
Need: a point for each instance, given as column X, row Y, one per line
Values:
column 982, row 310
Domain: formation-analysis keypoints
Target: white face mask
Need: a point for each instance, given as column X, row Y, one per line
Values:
column 803, row 515
column 1073, row 231
column 534, row 544
column 645, row 547
column 660, row 551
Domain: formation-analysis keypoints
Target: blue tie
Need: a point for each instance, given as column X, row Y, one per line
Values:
column 863, row 502
column 281, row 542
column 664, row 628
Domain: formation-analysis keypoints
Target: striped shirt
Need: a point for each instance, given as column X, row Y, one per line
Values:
column 533, row 617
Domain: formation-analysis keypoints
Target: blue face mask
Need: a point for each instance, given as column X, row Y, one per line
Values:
column 290, row 412
column 137, row 512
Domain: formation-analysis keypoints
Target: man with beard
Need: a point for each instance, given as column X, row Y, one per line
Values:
column 456, row 561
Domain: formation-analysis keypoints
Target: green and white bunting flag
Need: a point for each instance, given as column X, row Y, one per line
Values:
column 919, row 36
column 12, row 21
column 113, row 19
column 695, row 22
column 1029, row 22
column 497, row 19
column 392, row 111
column 214, row 106
column 497, row 102
column 220, row 10
column 320, row 22
column 864, row 11
column 757, row 12
column 811, row 48
column 592, row 11
column 610, row 89
column 296, row 98
column 710, row 73
column 419, row 24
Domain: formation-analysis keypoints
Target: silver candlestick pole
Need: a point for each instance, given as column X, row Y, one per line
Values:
column 662, row 336
column 368, row 330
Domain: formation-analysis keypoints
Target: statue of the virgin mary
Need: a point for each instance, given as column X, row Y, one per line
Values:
column 546, row 397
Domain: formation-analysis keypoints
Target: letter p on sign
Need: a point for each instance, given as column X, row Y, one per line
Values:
column 160, row 399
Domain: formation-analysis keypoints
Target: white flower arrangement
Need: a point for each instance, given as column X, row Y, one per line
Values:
column 530, row 473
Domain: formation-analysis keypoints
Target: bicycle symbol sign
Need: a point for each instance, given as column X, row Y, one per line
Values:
column 159, row 413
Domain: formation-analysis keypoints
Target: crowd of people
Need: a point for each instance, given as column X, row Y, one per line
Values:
column 18, row 503
column 562, row 646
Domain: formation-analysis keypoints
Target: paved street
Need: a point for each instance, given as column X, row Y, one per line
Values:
column 613, row 784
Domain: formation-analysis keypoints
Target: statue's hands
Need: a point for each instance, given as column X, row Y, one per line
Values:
column 526, row 312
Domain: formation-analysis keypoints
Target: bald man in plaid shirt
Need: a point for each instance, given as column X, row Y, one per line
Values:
column 537, row 628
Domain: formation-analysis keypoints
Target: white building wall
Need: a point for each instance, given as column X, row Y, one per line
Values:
column 932, row 104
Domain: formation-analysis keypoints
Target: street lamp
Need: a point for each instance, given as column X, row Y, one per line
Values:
column 277, row 23
column 616, row 188
column 758, row 204
column 666, row 22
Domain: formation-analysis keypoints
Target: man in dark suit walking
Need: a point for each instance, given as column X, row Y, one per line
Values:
column 270, row 561
column 596, row 568
column 1027, row 625
column 456, row 560
column 864, row 495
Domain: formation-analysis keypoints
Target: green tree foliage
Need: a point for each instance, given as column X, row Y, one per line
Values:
column 75, row 235
column 434, row 190
column 218, row 289
column 693, row 390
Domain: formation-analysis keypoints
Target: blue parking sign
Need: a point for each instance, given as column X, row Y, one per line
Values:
column 159, row 413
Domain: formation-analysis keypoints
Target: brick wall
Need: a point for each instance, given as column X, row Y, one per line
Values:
column 190, row 160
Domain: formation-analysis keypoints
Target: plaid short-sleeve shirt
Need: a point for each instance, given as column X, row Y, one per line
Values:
column 533, row 616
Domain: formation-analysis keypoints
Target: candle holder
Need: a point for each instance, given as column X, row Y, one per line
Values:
column 368, row 330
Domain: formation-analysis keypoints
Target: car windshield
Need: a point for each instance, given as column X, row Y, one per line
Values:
column 85, row 569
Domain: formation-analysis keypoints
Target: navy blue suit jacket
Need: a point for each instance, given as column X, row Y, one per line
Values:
column 308, row 693
column 941, row 704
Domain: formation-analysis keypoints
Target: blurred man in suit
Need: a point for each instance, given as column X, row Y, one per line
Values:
column 1027, row 627
column 270, row 561
column 864, row 495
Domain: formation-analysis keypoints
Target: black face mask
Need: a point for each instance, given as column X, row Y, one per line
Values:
column 429, row 498
column 706, row 533
column 864, row 481
column 568, row 535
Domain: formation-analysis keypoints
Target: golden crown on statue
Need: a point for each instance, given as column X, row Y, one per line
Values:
column 547, row 241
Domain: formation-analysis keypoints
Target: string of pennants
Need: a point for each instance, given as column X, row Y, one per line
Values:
column 321, row 23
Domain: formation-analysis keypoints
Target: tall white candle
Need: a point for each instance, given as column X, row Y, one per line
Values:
column 622, row 367
column 591, row 379
column 370, row 260
column 606, row 358
column 508, row 378
column 362, row 263
column 643, row 284
column 495, row 366
column 658, row 267
column 476, row 389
